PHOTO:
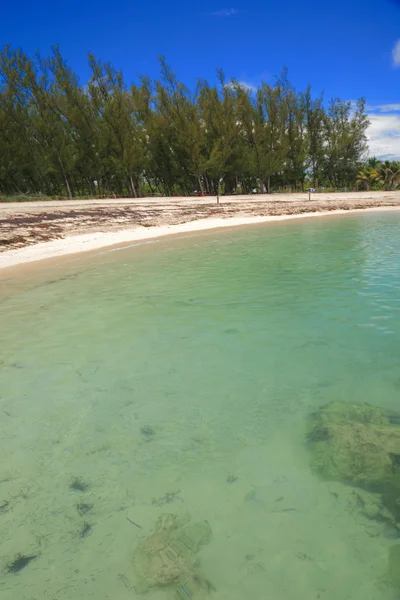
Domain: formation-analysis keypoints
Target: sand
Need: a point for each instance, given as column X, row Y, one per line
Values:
column 32, row 232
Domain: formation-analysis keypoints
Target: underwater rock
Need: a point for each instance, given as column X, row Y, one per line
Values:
column 193, row 587
column 20, row 562
column 147, row 432
column 85, row 530
column 83, row 508
column 367, row 510
column 78, row 485
column 167, row 557
column 359, row 445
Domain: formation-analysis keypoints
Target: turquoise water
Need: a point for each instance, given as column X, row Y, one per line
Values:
column 177, row 377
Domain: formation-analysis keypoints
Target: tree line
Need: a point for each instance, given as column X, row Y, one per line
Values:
column 59, row 137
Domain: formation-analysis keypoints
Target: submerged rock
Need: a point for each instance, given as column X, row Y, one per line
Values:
column 359, row 445
column 167, row 557
column 367, row 509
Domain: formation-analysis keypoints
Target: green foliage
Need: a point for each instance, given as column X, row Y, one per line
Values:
column 25, row 198
column 379, row 175
column 61, row 138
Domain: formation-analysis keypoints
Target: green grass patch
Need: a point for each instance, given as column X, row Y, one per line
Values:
column 26, row 198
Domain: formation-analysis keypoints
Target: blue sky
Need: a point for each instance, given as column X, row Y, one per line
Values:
column 346, row 48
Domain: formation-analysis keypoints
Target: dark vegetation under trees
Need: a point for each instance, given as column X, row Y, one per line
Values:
column 61, row 138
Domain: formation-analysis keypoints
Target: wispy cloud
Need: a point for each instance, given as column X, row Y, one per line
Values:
column 384, row 108
column 250, row 87
column 384, row 131
column 225, row 12
column 396, row 54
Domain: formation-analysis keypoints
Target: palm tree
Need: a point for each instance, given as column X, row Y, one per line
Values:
column 373, row 162
column 396, row 177
column 367, row 176
column 388, row 174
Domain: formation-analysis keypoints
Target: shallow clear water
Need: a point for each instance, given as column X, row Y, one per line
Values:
column 177, row 377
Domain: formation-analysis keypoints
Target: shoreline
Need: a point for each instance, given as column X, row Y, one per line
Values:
column 89, row 242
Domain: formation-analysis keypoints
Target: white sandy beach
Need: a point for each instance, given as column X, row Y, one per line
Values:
column 105, row 239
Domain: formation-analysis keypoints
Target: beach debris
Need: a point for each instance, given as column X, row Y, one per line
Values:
column 167, row 558
column 78, row 485
column 20, row 562
column 359, row 445
column 83, row 508
column 231, row 478
column 168, row 498
column 85, row 530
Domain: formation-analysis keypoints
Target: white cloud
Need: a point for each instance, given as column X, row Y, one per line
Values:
column 244, row 84
column 384, row 135
column 225, row 12
column 384, row 108
column 396, row 54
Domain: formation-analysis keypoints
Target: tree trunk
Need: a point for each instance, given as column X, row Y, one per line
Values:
column 133, row 187
column 65, row 176
column 260, row 183
column 150, row 186
column 201, row 185
column 269, row 184
column 67, row 186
